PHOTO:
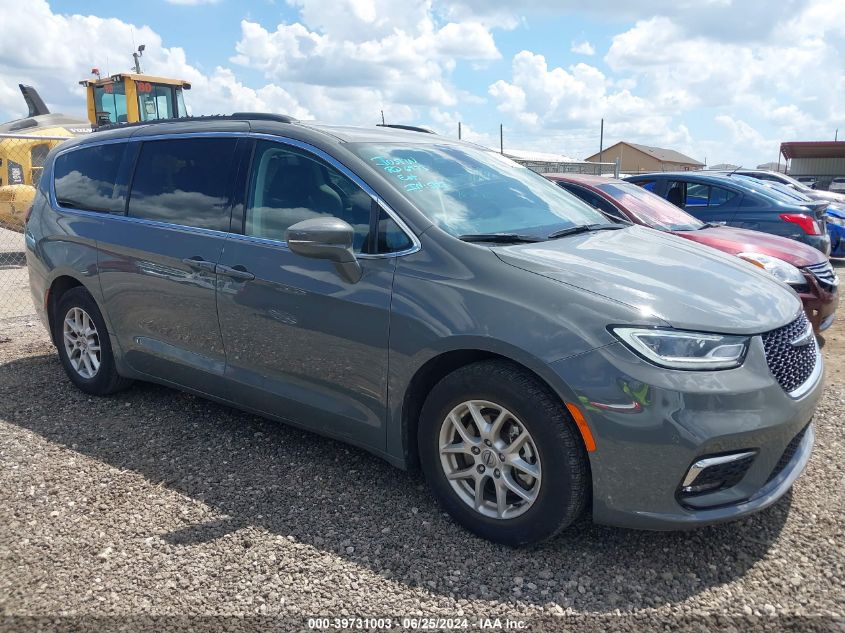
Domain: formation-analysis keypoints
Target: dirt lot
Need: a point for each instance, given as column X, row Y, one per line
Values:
column 156, row 503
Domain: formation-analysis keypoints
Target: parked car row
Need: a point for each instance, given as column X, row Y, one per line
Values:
column 806, row 187
column 438, row 304
column 806, row 269
column 789, row 181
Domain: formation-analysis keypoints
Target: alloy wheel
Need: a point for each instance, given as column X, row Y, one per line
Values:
column 82, row 342
column 490, row 459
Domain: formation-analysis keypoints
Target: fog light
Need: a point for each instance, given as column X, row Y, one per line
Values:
column 716, row 473
column 705, row 487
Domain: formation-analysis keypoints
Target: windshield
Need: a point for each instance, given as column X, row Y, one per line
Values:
column 155, row 101
column 467, row 190
column 649, row 208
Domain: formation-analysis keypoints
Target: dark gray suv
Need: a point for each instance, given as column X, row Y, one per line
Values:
column 434, row 303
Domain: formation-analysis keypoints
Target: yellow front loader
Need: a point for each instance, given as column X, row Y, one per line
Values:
column 24, row 143
column 133, row 98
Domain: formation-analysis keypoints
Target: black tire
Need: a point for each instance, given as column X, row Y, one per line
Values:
column 565, row 482
column 106, row 380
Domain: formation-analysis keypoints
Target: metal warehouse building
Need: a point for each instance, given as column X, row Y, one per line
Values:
column 823, row 160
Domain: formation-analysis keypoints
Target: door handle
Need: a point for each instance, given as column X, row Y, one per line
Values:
column 198, row 263
column 236, row 272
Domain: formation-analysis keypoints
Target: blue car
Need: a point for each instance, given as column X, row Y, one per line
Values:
column 836, row 230
column 835, row 211
column 743, row 203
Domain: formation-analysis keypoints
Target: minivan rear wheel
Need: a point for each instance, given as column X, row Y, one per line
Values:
column 84, row 344
column 501, row 453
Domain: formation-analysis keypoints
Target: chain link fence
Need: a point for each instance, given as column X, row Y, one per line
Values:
column 21, row 164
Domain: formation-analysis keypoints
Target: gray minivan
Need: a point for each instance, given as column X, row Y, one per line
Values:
column 434, row 303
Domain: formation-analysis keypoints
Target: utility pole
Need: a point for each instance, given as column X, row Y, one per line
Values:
column 137, row 56
column 836, row 136
column 601, row 144
column 382, row 117
column 459, row 130
column 501, row 139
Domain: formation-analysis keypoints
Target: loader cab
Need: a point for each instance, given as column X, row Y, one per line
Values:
column 133, row 98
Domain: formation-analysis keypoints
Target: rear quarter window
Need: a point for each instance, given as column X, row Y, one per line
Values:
column 85, row 178
column 184, row 181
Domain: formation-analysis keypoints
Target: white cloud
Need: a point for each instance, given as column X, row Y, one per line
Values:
column 409, row 67
column 744, row 133
column 548, row 102
column 728, row 79
column 53, row 52
column 782, row 85
column 446, row 123
column 583, row 48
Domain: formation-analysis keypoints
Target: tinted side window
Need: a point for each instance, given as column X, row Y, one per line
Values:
column 85, row 178
column 719, row 196
column 594, row 200
column 697, row 194
column 677, row 193
column 184, row 181
column 288, row 185
column 391, row 238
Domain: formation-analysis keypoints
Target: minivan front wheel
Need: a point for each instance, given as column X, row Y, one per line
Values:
column 84, row 345
column 501, row 453
column 490, row 459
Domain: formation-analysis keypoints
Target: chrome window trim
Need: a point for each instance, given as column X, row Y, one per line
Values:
column 284, row 140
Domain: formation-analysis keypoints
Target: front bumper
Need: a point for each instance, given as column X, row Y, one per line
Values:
column 651, row 424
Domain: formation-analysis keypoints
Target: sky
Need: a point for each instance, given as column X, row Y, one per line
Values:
column 723, row 81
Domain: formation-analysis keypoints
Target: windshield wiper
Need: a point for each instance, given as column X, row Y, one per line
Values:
column 500, row 238
column 585, row 228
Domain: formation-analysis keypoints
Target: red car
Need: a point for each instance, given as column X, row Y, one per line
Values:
column 803, row 267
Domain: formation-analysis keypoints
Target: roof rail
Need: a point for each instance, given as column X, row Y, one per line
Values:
column 236, row 116
column 264, row 116
column 410, row 128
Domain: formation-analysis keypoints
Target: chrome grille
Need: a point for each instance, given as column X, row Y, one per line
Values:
column 791, row 364
column 825, row 275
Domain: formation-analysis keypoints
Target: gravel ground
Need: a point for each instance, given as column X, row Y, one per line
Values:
column 157, row 503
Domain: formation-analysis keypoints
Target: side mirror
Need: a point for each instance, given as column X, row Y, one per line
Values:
column 326, row 238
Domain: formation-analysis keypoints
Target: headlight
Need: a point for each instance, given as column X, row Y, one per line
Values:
column 685, row 350
column 779, row 269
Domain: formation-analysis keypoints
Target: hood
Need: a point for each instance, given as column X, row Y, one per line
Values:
column 685, row 285
column 734, row 241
